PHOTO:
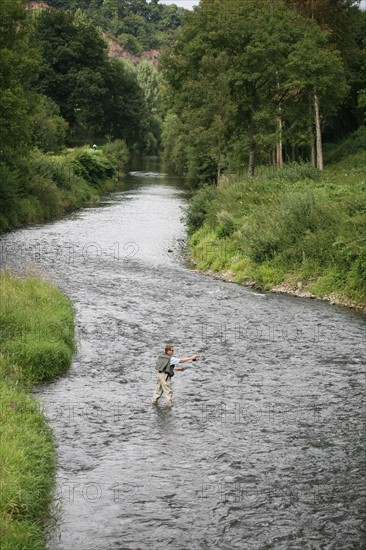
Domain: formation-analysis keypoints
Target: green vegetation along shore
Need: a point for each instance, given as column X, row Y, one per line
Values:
column 294, row 229
column 36, row 344
column 59, row 89
column 60, row 183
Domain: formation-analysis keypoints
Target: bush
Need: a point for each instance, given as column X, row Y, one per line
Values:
column 9, row 182
column 48, row 127
column 226, row 224
column 278, row 228
column 354, row 144
column 117, row 153
column 93, row 167
column 198, row 207
column 47, row 194
column 57, row 168
column 45, row 185
column 29, row 210
column 298, row 225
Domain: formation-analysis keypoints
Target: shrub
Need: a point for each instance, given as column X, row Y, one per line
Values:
column 117, row 153
column 355, row 143
column 29, row 210
column 57, row 168
column 47, row 195
column 293, row 226
column 94, row 168
column 226, row 224
column 198, row 207
column 48, row 127
column 8, row 189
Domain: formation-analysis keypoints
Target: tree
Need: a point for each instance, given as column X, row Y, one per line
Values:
column 260, row 76
column 317, row 72
column 48, row 127
column 140, row 24
column 149, row 82
column 94, row 95
column 17, row 62
column 125, row 112
column 328, row 13
column 211, row 118
column 346, row 25
column 74, row 62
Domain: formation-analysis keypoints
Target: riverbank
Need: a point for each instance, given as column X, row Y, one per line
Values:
column 294, row 230
column 37, row 342
column 60, row 183
column 285, row 288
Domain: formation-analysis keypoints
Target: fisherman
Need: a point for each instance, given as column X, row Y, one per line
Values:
column 165, row 366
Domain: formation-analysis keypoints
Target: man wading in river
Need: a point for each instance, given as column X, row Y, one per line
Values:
column 165, row 366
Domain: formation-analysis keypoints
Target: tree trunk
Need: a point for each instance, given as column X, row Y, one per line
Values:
column 279, row 149
column 293, row 153
column 319, row 145
column 312, row 136
column 251, row 163
column 279, row 143
column 219, row 164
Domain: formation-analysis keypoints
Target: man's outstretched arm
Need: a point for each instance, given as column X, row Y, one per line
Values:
column 184, row 360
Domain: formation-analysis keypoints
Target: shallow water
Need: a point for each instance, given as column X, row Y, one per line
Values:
column 264, row 446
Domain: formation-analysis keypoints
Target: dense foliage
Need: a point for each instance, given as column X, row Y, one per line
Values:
column 257, row 82
column 296, row 226
column 52, row 184
column 94, row 95
column 59, row 87
column 137, row 25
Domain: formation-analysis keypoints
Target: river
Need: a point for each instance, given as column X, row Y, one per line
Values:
column 264, row 447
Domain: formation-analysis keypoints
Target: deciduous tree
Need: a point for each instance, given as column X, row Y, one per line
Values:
column 274, row 59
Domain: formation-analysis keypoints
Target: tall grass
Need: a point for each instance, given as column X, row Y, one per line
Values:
column 36, row 343
column 288, row 226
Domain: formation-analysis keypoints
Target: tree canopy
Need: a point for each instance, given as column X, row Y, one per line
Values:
column 242, row 77
column 94, row 95
column 137, row 24
column 56, row 83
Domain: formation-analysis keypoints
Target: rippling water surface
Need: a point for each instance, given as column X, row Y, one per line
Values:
column 264, row 446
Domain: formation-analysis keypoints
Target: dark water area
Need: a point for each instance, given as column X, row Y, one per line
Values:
column 264, row 447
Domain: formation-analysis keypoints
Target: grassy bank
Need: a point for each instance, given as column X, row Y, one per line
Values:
column 36, row 344
column 295, row 229
column 49, row 185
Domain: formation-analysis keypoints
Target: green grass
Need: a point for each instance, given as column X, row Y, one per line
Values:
column 36, row 344
column 294, row 225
